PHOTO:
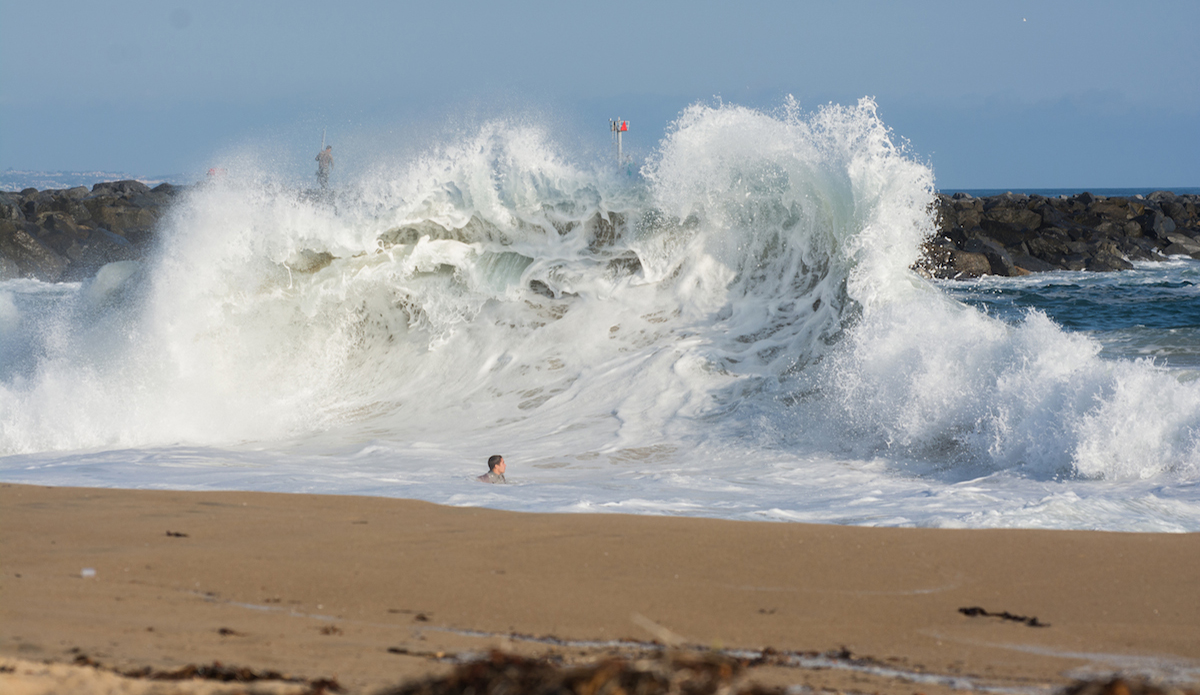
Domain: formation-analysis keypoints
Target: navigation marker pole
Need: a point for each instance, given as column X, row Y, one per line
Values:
column 617, row 126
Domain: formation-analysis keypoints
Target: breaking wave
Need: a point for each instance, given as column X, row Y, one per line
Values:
column 747, row 295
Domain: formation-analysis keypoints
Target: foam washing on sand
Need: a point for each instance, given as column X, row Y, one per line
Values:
column 734, row 332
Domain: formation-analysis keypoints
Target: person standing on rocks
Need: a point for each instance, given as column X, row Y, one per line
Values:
column 324, row 165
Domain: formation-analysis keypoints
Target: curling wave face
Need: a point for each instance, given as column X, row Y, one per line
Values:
column 743, row 310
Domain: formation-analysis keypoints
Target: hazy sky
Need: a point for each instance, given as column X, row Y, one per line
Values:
column 993, row 94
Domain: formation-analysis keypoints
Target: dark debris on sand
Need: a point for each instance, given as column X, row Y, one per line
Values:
column 1124, row 686
column 662, row 674
column 217, row 672
column 507, row 674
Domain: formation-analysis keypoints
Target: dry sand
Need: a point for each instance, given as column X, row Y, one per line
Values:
column 372, row 592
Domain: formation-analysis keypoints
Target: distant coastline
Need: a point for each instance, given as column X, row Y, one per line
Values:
column 15, row 180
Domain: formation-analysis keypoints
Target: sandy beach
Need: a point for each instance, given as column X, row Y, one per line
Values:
column 373, row 592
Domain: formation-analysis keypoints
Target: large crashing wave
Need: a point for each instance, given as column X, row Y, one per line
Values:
column 809, row 217
column 750, row 290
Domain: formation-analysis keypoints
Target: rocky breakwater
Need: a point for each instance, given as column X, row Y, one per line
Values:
column 1020, row 234
column 66, row 235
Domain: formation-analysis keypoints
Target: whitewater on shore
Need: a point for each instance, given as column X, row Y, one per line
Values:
column 732, row 330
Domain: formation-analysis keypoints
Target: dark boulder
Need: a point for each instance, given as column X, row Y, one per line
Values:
column 1074, row 261
column 1008, row 233
column 120, row 216
column 1005, row 200
column 1180, row 244
column 1137, row 248
column 59, row 231
column 19, row 243
column 1031, row 264
column 29, row 203
column 947, row 262
column 1053, row 217
column 1000, row 261
column 1180, row 250
column 10, row 207
column 1155, row 224
column 964, row 264
column 124, row 189
column 1049, row 249
column 1105, row 257
column 1181, row 238
column 1181, row 211
column 1017, row 217
column 1104, row 263
column 1111, row 209
column 67, row 203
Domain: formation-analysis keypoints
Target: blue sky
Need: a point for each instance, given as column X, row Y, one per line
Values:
column 992, row 94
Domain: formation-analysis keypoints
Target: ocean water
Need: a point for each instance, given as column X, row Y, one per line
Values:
column 728, row 329
column 1068, row 192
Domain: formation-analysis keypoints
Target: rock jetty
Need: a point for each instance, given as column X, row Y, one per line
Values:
column 66, row 235
column 1021, row 234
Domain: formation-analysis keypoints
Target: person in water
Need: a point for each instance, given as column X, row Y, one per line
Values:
column 324, row 166
column 495, row 472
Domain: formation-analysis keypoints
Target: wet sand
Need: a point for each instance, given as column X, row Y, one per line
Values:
column 373, row 592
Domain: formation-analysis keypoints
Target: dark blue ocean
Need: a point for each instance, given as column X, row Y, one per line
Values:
column 1150, row 312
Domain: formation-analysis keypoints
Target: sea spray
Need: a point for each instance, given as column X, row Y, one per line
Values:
column 941, row 388
column 734, row 332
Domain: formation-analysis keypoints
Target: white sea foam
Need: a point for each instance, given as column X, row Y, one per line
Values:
column 735, row 332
